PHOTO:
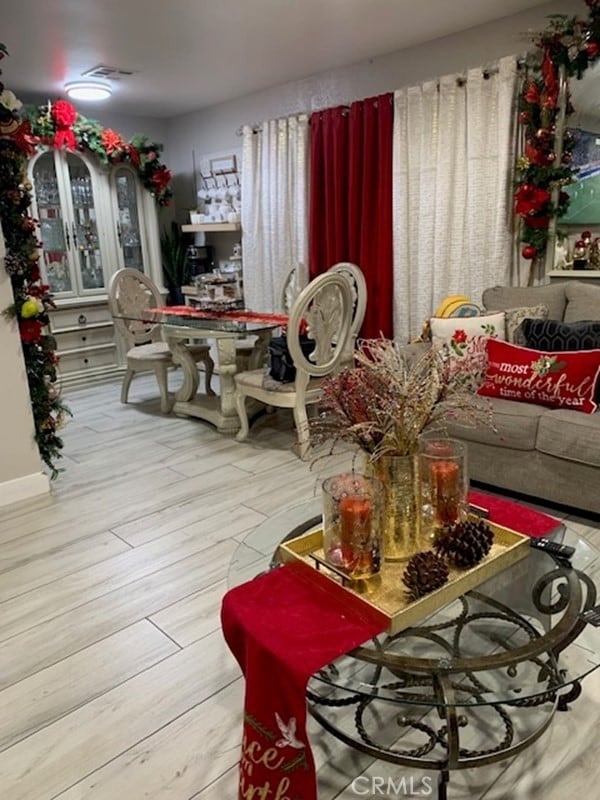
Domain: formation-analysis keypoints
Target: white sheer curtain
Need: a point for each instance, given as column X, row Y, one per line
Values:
column 453, row 158
column 274, row 207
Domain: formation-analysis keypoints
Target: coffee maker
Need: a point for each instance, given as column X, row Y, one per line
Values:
column 200, row 259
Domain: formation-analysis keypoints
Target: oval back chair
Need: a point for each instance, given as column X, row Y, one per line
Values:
column 130, row 292
column 323, row 312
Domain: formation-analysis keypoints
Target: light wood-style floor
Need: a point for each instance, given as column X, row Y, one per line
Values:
column 115, row 682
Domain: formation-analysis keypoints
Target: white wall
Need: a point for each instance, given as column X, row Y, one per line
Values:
column 214, row 129
column 21, row 477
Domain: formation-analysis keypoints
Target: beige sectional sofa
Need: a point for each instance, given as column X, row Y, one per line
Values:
column 549, row 454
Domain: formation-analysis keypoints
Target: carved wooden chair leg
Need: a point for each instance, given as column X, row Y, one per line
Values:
column 209, row 366
column 302, row 431
column 240, row 404
column 160, row 370
column 127, row 378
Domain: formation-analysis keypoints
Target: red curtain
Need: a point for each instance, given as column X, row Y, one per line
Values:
column 351, row 199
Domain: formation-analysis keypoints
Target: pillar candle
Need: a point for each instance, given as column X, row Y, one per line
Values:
column 445, row 491
column 355, row 531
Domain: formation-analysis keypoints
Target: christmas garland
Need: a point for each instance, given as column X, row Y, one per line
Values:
column 59, row 125
column 573, row 44
column 54, row 125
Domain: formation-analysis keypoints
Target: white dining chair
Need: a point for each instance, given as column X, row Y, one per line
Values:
column 130, row 292
column 322, row 311
column 358, row 287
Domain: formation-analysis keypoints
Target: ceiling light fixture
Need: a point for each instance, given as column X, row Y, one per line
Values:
column 88, row 90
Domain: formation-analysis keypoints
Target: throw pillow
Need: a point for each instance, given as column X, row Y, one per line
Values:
column 514, row 320
column 457, row 331
column 558, row 380
column 463, row 339
column 552, row 334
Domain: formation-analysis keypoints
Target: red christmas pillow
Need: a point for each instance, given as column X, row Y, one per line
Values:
column 558, row 380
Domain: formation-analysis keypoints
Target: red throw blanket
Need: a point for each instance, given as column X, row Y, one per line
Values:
column 282, row 627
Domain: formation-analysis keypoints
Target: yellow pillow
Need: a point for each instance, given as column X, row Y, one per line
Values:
column 457, row 305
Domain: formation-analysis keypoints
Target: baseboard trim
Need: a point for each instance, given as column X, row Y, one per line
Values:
column 25, row 488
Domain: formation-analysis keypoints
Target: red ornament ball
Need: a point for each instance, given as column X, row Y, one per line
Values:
column 529, row 252
column 592, row 49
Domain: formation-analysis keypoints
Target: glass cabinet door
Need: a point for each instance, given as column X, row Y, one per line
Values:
column 54, row 231
column 129, row 233
column 84, row 224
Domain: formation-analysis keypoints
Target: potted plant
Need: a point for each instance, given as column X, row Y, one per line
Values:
column 174, row 264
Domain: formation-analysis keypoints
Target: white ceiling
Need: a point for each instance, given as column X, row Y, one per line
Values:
column 188, row 54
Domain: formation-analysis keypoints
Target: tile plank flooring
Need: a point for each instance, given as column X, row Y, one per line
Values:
column 115, row 682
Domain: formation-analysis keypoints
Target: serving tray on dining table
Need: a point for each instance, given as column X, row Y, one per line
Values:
column 386, row 592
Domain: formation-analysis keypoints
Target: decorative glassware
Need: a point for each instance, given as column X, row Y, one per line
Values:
column 444, row 481
column 401, row 512
column 352, row 517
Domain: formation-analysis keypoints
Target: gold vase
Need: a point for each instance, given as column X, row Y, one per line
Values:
column 401, row 512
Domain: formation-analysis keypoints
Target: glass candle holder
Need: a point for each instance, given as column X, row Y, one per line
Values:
column 444, row 481
column 352, row 524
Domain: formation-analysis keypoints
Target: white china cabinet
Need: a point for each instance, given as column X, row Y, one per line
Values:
column 93, row 220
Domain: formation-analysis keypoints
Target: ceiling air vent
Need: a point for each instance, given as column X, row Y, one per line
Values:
column 108, row 73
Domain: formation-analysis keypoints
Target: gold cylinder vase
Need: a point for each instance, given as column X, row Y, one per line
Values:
column 401, row 512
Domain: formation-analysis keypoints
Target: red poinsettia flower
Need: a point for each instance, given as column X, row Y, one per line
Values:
column 530, row 200
column 31, row 330
column 160, row 179
column 63, row 114
column 535, row 156
column 550, row 75
column 64, row 138
column 112, row 141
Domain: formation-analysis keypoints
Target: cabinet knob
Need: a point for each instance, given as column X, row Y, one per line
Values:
column 82, row 319
column 84, row 338
column 85, row 360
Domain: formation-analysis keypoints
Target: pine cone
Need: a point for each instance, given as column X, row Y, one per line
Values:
column 465, row 543
column 424, row 573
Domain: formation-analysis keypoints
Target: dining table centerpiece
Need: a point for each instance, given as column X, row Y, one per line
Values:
column 382, row 406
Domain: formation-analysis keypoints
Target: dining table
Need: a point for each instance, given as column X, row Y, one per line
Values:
column 182, row 324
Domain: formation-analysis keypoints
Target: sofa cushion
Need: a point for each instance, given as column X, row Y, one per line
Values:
column 515, row 426
column 583, row 302
column 558, row 380
column 515, row 318
column 457, row 331
column 552, row 334
column 499, row 298
column 575, row 437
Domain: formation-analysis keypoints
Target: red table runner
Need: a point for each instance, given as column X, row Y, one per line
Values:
column 233, row 315
column 282, row 627
column 516, row 516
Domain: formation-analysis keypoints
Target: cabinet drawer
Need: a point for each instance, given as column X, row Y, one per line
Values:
column 79, row 317
column 82, row 339
column 90, row 360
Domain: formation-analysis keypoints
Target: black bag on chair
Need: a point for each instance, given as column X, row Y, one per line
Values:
column 281, row 366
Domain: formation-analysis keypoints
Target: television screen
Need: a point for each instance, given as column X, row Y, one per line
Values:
column 584, row 208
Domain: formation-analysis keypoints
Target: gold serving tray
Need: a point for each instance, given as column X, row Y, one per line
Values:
column 385, row 591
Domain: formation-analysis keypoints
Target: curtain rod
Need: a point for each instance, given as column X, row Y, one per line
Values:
column 461, row 80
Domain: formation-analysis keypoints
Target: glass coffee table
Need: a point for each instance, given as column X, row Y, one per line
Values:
column 476, row 682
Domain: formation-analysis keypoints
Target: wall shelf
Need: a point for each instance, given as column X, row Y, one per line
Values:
column 211, row 227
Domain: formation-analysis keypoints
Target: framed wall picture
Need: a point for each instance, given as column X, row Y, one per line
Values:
column 223, row 164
